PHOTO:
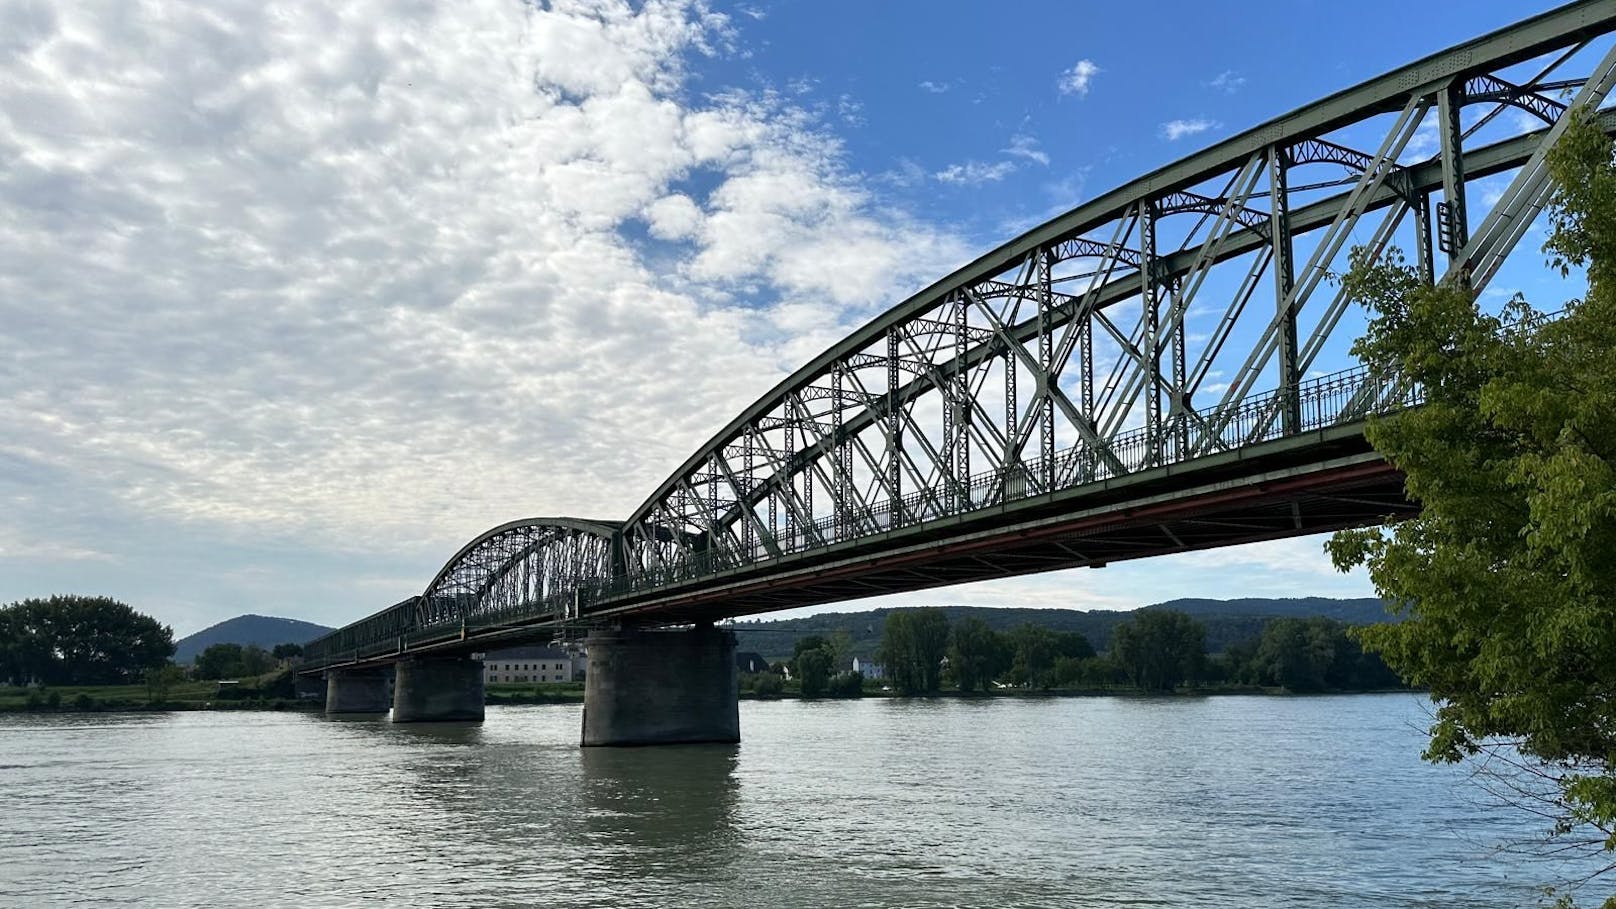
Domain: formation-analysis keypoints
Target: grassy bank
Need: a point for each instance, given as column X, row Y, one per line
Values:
column 270, row 692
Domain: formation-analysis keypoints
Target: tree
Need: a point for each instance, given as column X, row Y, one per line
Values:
column 913, row 645
column 813, row 671
column 1300, row 654
column 1507, row 577
column 255, row 660
column 287, row 651
column 160, row 679
column 977, row 654
column 1159, row 649
column 219, row 661
column 78, row 640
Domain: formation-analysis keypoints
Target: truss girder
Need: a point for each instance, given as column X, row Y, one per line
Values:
column 1065, row 357
column 886, row 444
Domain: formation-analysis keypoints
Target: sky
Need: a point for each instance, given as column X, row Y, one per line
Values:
column 297, row 298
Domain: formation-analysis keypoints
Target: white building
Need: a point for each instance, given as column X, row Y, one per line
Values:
column 870, row 669
column 531, row 664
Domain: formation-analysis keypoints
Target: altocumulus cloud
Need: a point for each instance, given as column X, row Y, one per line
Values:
column 367, row 275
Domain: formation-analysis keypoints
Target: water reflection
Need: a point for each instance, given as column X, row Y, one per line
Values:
column 663, row 811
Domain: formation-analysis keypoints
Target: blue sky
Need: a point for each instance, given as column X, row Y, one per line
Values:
column 297, row 301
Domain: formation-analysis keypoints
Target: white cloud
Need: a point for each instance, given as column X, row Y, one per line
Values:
column 1025, row 146
column 1174, row 130
column 359, row 279
column 1227, row 81
column 1075, row 81
column 975, row 173
column 936, row 88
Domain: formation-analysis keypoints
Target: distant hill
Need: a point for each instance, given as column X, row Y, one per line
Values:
column 1226, row 621
column 265, row 631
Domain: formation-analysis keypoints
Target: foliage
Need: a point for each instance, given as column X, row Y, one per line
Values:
column 160, row 680
column 977, row 655
column 1226, row 622
column 287, row 651
column 846, row 685
column 1037, row 650
column 1314, row 654
column 1507, row 577
column 912, row 649
column 233, row 661
column 813, row 671
column 764, row 684
column 77, row 640
column 1160, row 649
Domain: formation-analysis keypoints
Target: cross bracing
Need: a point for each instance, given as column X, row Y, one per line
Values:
column 1188, row 319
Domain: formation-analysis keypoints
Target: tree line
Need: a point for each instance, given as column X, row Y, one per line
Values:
column 82, row 640
column 1154, row 650
column 79, row 640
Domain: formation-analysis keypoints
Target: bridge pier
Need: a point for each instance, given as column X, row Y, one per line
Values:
column 661, row 688
column 357, row 691
column 438, row 691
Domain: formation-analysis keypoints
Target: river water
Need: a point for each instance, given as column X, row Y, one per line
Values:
column 1223, row 801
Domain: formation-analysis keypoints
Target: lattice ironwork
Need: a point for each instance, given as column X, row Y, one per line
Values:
column 1110, row 343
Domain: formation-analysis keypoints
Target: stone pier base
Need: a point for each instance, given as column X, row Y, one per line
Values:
column 438, row 691
column 357, row 690
column 661, row 688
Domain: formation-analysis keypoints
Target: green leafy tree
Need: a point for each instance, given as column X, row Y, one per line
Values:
column 220, row 661
column 160, row 680
column 846, row 685
column 977, row 655
column 1159, row 649
column 255, row 660
column 913, row 645
column 287, row 651
column 78, row 640
column 813, row 671
column 1507, row 578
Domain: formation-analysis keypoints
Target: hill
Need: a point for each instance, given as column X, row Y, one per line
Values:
column 1226, row 621
column 265, row 631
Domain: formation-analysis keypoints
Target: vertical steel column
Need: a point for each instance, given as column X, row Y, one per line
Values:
column 962, row 393
column 894, row 430
column 800, row 465
column 1012, row 456
column 1455, row 225
column 1180, row 401
column 1046, row 357
column 743, row 498
column 838, row 464
column 712, row 517
column 1421, row 203
column 790, row 485
column 1151, row 304
column 1279, row 227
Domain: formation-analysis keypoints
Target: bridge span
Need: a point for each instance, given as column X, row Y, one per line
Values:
column 1164, row 368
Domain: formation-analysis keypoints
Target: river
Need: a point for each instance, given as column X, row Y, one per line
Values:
column 1220, row 801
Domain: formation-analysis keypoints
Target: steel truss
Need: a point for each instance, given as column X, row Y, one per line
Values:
column 1068, row 356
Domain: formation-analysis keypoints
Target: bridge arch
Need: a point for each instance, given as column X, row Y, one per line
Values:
column 528, row 566
column 1063, row 357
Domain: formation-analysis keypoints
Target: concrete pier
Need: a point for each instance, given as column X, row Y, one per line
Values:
column 357, row 690
column 661, row 688
column 438, row 691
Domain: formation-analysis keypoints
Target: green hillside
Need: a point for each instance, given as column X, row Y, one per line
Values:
column 1226, row 621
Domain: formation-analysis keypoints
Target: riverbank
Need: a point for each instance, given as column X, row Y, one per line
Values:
column 213, row 696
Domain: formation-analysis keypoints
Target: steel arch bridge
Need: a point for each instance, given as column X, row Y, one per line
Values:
column 1140, row 375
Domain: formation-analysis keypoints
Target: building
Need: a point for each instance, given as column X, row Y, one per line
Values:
column 870, row 669
column 750, row 661
column 531, row 664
